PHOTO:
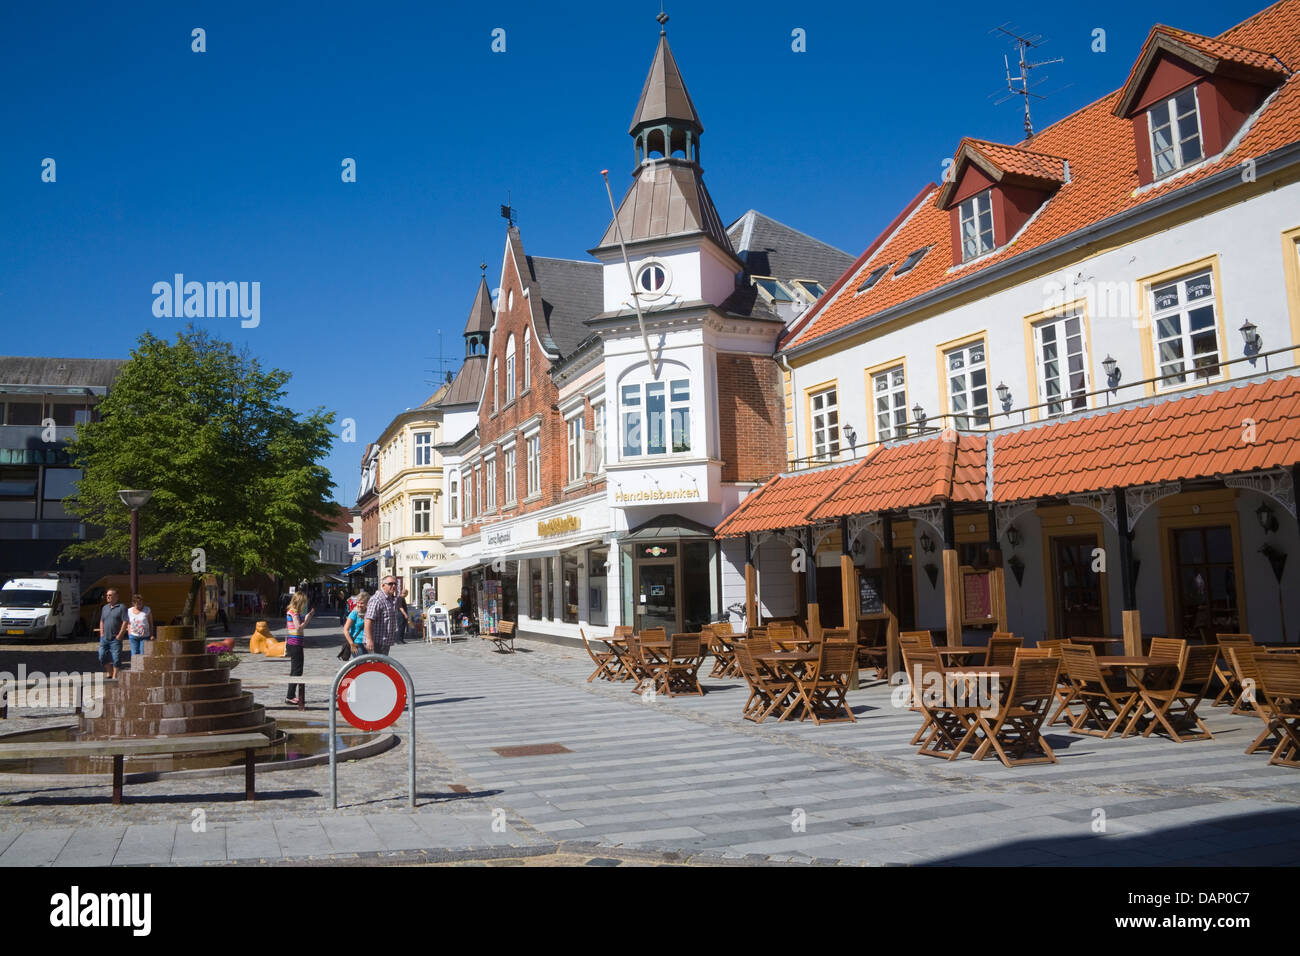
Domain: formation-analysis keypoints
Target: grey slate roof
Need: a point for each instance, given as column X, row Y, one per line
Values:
column 34, row 370
column 480, row 313
column 467, row 387
column 572, row 292
column 771, row 248
column 667, row 198
column 664, row 95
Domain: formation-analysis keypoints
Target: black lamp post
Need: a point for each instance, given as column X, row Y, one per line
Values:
column 135, row 499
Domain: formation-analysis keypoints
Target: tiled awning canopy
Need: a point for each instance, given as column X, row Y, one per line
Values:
column 1226, row 431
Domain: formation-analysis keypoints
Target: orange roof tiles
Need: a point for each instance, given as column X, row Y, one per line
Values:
column 909, row 475
column 1025, row 162
column 1194, row 437
column 1103, row 181
column 783, row 502
column 1221, row 50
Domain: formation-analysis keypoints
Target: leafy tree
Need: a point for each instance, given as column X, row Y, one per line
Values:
column 233, row 471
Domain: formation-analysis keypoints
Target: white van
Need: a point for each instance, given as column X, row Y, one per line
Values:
column 40, row 608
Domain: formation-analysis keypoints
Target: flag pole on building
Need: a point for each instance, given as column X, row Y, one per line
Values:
column 636, row 300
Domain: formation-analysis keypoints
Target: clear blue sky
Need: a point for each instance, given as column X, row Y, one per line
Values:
column 225, row 165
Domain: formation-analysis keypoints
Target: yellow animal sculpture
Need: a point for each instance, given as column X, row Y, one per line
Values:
column 264, row 642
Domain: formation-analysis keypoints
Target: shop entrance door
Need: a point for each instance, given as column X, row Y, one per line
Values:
column 1078, row 588
column 657, row 596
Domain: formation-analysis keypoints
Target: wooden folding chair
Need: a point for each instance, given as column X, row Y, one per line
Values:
column 783, row 635
column 724, row 654
column 768, row 694
column 1241, row 659
column 607, row 662
column 1015, row 731
column 1095, row 694
column 944, row 731
column 921, row 639
column 823, row 688
column 1032, row 653
column 1223, row 670
column 1002, row 650
column 504, row 638
column 1279, row 684
column 874, row 652
column 1173, row 707
column 1065, row 693
column 681, row 668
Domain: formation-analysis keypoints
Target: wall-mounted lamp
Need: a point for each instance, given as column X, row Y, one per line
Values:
column 1113, row 373
column 1013, row 536
column 1004, row 396
column 918, row 415
column 1267, row 520
column 850, row 436
column 1250, row 335
column 927, row 543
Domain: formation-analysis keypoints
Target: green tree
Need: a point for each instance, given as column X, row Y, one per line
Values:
column 233, row 471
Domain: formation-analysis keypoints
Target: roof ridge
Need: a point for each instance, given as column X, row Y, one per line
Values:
column 1018, row 149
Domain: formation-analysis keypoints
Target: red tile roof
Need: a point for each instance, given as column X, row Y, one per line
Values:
column 1103, row 181
column 950, row 467
column 1194, row 437
column 783, row 502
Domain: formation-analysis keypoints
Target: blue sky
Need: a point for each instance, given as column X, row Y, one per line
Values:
column 225, row 165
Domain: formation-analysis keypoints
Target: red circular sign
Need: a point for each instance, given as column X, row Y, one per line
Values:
column 372, row 695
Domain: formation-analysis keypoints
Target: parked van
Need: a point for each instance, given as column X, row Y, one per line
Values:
column 165, row 595
column 41, row 607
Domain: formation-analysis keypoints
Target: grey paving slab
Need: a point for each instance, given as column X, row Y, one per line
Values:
column 91, row 846
column 36, row 847
column 252, row 840
column 350, row 834
column 146, row 843
column 301, row 838
column 206, row 845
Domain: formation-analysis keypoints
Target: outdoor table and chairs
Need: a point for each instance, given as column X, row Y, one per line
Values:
column 770, row 688
column 1279, row 699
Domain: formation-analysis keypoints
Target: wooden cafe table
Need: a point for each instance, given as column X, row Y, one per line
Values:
column 1142, row 670
column 974, row 736
column 790, row 665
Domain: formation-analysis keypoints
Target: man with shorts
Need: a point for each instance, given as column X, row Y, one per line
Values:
column 112, row 625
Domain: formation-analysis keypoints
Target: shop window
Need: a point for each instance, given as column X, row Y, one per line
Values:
column 535, row 589
column 597, row 582
column 570, row 566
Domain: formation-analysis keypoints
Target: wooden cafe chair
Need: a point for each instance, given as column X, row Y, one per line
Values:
column 1106, row 707
column 1015, row 731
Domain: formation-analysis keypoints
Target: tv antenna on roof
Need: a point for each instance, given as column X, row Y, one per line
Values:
column 444, row 369
column 1025, row 44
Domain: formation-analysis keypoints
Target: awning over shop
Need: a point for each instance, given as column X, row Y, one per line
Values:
column 449, row 568
column 550, row 551
column 358, row 566
column 668, row 526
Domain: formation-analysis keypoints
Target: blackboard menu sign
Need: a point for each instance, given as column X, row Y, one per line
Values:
column 870, row 591
column 977, row 596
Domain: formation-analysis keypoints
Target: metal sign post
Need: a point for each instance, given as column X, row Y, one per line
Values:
column 360, row 700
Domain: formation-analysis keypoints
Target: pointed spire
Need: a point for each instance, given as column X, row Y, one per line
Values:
column 664, row 97
column 479, row 326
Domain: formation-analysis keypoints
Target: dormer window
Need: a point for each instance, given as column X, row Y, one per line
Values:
column 773, row 290
column 813, row 289
column 873, row 277
column 976, row 218
column 1175, row 133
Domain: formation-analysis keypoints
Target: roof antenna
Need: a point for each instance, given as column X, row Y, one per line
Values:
column 1025, row 43
column 636, row 296
column 508, row 213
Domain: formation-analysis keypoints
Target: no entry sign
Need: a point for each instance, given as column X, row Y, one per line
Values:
column 372, row 695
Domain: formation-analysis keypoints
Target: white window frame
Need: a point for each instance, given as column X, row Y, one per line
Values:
column 573, row 426
column 1177, row 134
column 970, row 390
column 423, row 449
column 676, row 402
column 496, row 384
column 973, row 210
column 1181, row 311
column 533, row 444
column 525, row 355
column 490, row 472
column 510, row 369
column 508, row 459
column 421, row 514
column 453, row 497
column 479, row 501
column 823, row 406
column 598, row 439
column 1070, row 396
column 889, row 424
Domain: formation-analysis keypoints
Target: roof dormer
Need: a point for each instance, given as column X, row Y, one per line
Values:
column 1188, row 95
column 993, row 191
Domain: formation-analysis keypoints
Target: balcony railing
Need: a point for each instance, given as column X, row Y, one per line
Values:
column 1016, row 417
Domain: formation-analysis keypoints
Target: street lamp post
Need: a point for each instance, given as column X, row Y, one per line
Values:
column 135, row 499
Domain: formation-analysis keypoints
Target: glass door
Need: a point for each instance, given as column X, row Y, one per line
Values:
column 656, row 596
column 1078, row 588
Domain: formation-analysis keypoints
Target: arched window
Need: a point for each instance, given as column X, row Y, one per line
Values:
column 510, row 369
column 527, row 358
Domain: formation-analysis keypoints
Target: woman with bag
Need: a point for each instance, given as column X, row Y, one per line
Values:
column 296, row 619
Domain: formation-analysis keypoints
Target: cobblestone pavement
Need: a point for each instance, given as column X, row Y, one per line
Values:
column 682, row 780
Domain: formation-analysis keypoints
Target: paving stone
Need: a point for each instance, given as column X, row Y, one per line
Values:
column 146, row 843
column 91, row 846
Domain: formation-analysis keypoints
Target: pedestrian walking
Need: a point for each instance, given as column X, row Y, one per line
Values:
column 112, row 625
column 139, row 626
column 354, row 629
column 221, row 613
column 406, row 618
column 383, row 618
column 296, row 620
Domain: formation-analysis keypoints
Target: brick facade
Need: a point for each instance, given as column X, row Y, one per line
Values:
column 751, row 417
